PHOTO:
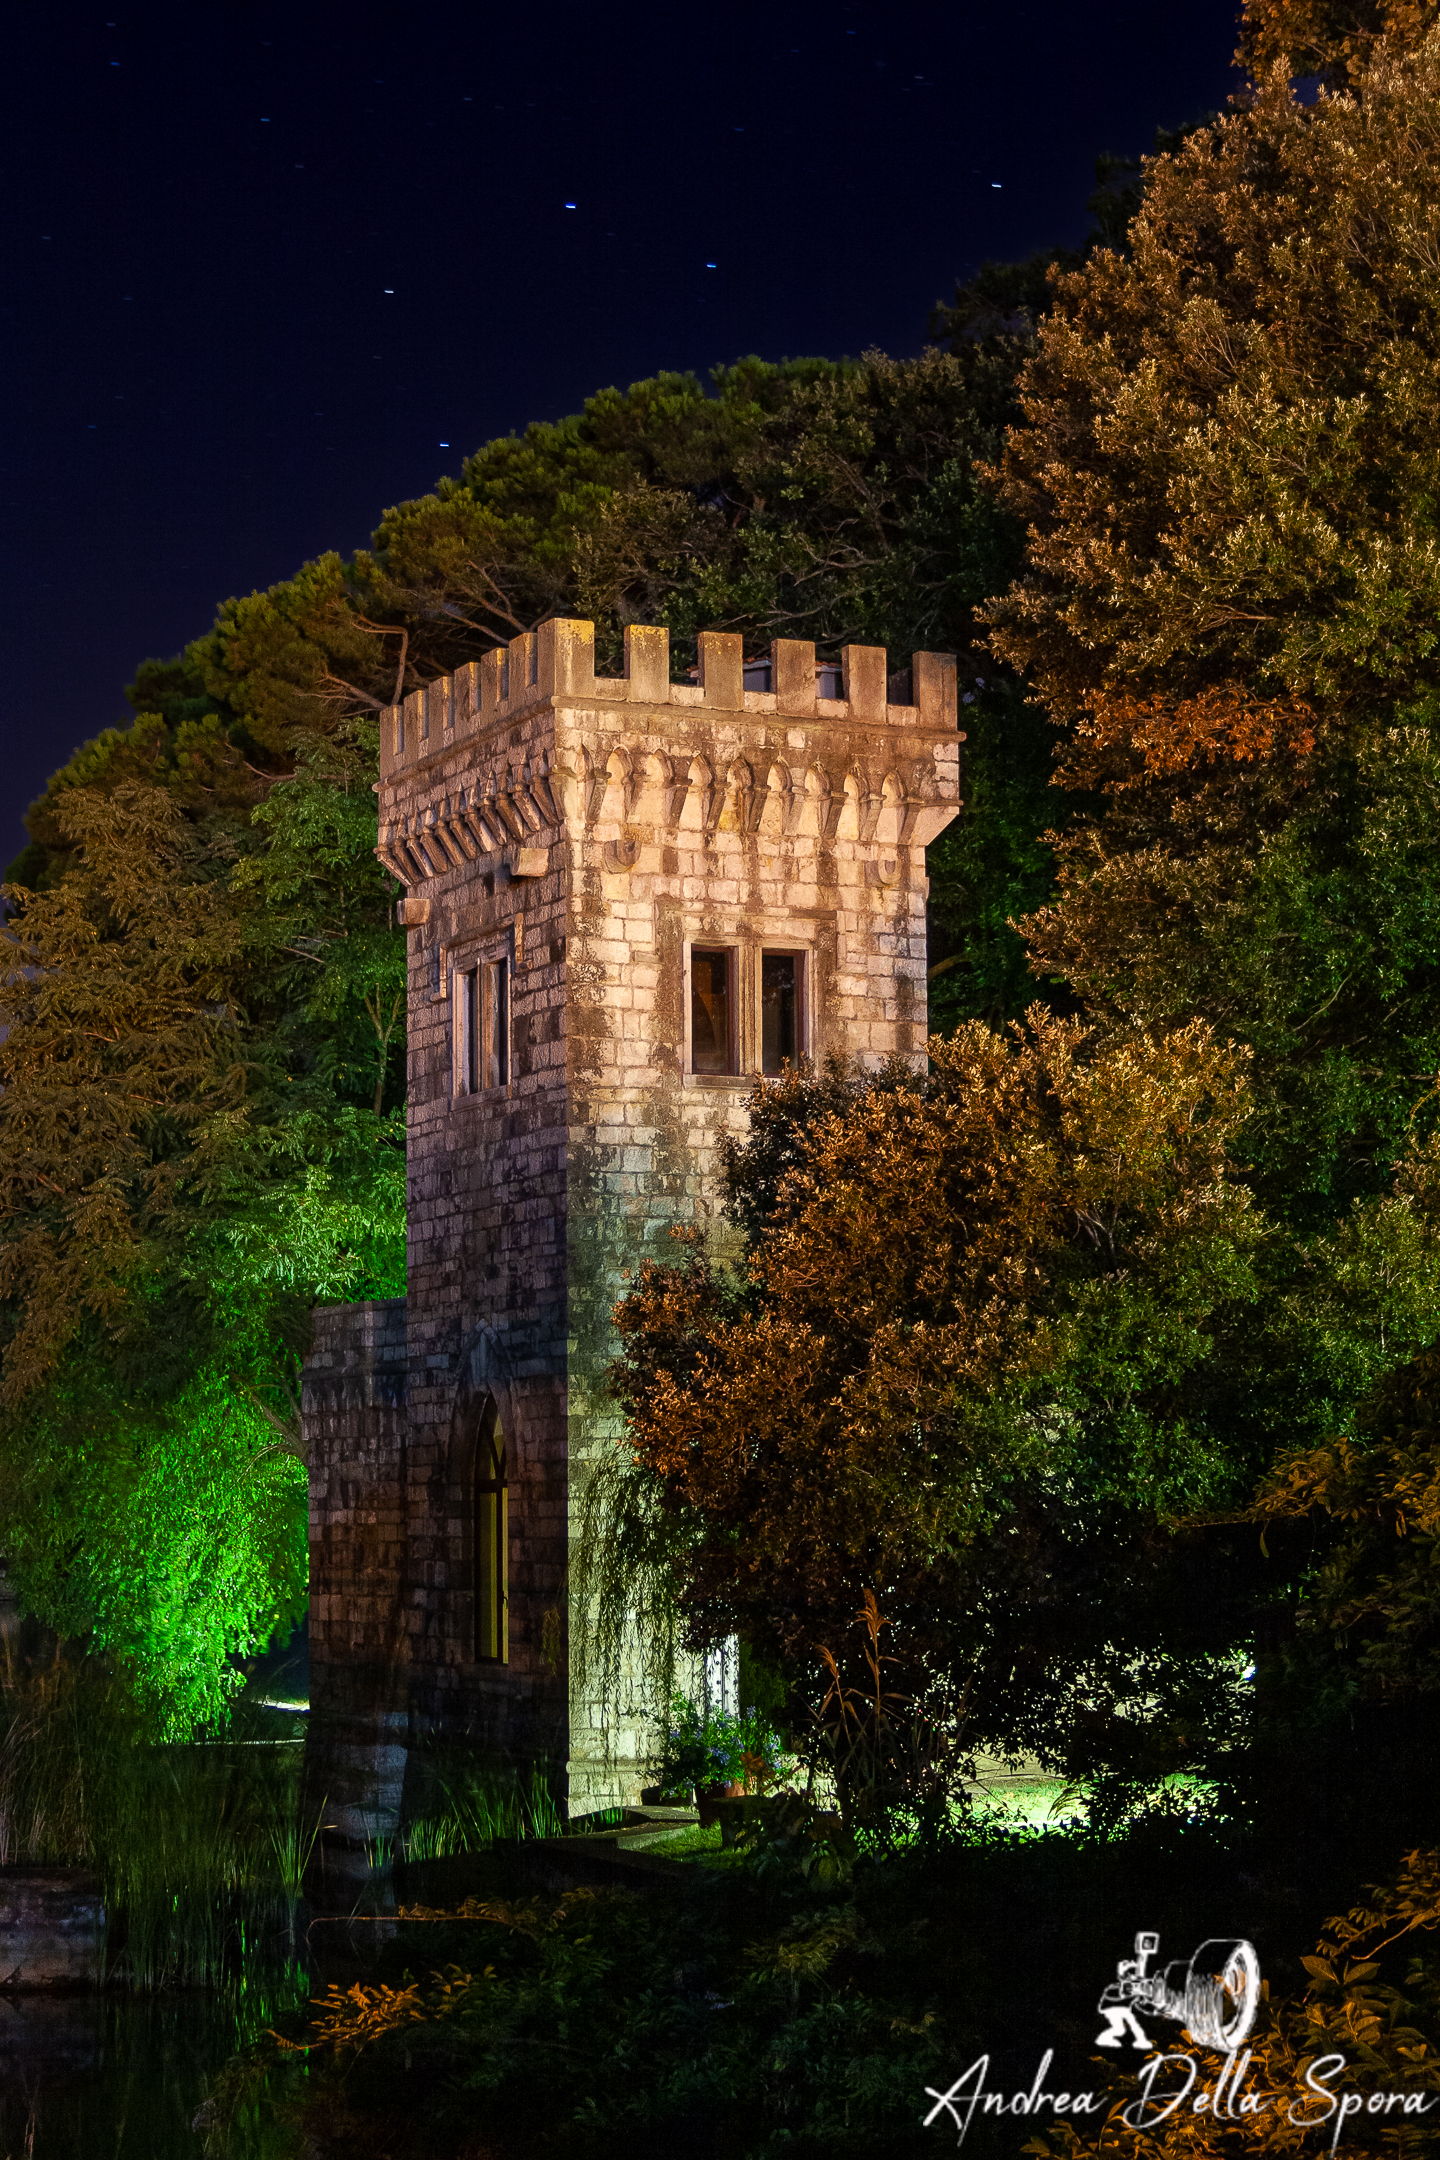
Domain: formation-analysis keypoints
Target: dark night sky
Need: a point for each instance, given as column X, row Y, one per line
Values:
column 266, row 263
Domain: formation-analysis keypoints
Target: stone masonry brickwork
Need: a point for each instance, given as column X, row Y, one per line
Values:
column 589, row 833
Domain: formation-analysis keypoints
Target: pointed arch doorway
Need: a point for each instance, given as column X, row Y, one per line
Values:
column 491, row 1497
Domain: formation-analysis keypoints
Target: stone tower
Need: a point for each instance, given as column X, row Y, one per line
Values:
column 625, row 898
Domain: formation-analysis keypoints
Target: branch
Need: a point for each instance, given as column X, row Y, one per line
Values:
column 290, row 1441
column 363, row 695
column 499, row 605
column 385, row 630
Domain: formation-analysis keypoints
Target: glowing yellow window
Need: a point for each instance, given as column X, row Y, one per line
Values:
column 492, row 1547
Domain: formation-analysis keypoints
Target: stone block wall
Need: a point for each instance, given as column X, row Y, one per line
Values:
column 353, row 1409
column 588, row 834
column 52, row 1928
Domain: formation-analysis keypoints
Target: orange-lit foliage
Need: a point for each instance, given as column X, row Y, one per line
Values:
column 1379, row 2012
column 1333, row 38
column 1228, row 468
column 976, row 1319
column 1228, row 455
column 1121, row 741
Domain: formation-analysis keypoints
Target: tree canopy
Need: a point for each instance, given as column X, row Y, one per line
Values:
column 1224, row 459
column 1020, row 1349
column 1334, row 39
column 983, row 1350
column 1228, row 469
column 205, row 1060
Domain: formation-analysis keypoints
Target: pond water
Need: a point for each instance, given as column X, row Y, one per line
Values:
column 123, row 2076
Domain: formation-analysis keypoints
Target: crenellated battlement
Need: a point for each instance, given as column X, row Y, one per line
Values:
column 488, row 768
column 557, row 662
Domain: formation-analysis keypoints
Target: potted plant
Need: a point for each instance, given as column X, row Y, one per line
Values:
column 722, row 1759
column 692, row 1754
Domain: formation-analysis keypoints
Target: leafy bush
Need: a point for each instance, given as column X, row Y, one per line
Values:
column 799, row 1999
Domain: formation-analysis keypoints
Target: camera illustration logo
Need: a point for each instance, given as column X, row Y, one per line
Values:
column 1215, row 1995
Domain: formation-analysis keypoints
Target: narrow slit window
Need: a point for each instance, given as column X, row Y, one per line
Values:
column 492, row 1548
column 711, row 1036
column 469, row 1010
column 496, row 1024
column 780, row 987
column 482, row 1026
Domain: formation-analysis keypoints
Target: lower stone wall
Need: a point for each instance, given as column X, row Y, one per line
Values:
column 52, row 1928
column 514, row 1712
column 393, row 1672
column 353, row 1411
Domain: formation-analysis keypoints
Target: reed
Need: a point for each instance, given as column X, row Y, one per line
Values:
column 201, row 1849
column 473, row 1805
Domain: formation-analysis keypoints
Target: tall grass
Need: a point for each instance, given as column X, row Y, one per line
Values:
column 201, row 1850
column 471, row 1806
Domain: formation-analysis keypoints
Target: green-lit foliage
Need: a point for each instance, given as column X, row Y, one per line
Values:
column 174, row 1535
column 183, row 1175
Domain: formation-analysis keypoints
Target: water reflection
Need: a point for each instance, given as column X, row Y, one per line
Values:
column 123, row 2077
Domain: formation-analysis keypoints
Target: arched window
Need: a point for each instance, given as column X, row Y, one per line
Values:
column 492, row 1545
